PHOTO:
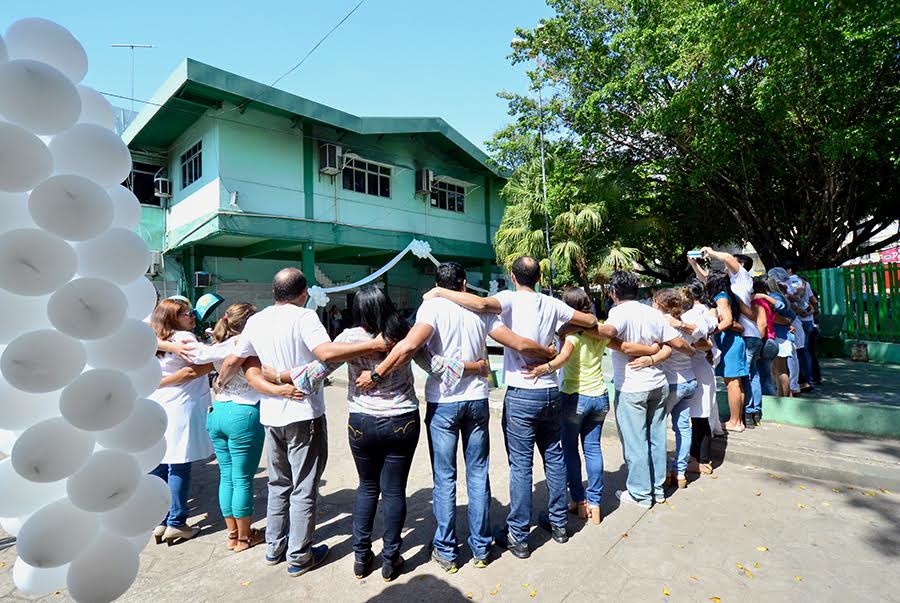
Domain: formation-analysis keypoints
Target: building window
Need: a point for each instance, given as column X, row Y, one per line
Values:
column 192, row 165
column 452, row 197
column 367, row 178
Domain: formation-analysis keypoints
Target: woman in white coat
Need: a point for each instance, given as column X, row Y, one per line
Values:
column 184, row 394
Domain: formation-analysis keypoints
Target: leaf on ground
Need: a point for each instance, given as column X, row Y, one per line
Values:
column 702, row 490
column 666, row 592
column 802, row 487
column 246, row 583
column 625, row 535
column 469, row 595
column 762, row 549
column 496, row 590
column 739, row 566
column 713, row 477
column 756, row 565
column 826, row 504
column 870, row 493
column 2, row 564
column 883, row 491
column 798, row 578
column 525, row 585
column 716, row 599
column 836, row 490
column 776, row 476
column 695, row 578
column 801, row 506
column 851, row 488
column 532, row 594
column 748, row 573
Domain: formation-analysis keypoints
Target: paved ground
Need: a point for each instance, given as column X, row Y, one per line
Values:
column 862, row 382
column 746, row 534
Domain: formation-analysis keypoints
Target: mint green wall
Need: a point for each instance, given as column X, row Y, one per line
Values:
column 151, row 227
column 207, row 130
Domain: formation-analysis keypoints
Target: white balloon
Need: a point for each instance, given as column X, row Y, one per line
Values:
column 91, row 151
column 146, row 379
column 14, row 209
column 87, row 308
column 21, row 314
column 20, row 410
column 12, row 525
column 150, row 458
column 23, row 497
column 34, row 262
column 140, row 430
column 141, row 541
column 98, row 399
column 71, row 207
column 141, row 296
column 24, row 159
column 51, row 450
column 42, row 361
column 104, row 571
column 39, row 581
column 146, row 508
column 126, row 207
column 119, row 255
column 3, row 54
column 7, row 439
column 55, row 534
column 48, row 42
column 95, row 109
column 107, row 480
column 127, row 349
column 38, row 97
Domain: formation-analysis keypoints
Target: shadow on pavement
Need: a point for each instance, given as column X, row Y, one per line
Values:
column 420, row 588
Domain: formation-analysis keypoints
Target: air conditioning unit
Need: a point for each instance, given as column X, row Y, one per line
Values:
column 202, row 279
column 162, row 188
column 330, row 159
column 424, row 182
column 155, row 263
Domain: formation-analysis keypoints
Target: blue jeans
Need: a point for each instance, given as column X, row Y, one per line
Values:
column 679, row 401
column 752, row 384
column 583, row 416
column 641, row 419
column 803, row 354
column 178, row 476
column 445, row 423
column 764, row 368
column 531, row 417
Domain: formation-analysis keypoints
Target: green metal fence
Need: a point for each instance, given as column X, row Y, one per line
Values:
column 872, row 301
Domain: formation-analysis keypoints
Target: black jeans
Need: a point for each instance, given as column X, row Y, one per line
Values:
column 383, row 449
column 701, row 439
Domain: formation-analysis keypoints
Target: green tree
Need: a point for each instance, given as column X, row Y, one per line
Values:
column 778, row 117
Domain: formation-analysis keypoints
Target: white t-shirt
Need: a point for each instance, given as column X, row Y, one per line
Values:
column 742, row 287
column 679, row 368
column 237, row 390
column 284, row 336
column 536, row 317
column 458, row 333
column 637, row 323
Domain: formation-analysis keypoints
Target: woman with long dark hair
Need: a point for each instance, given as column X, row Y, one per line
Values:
column 733, row 365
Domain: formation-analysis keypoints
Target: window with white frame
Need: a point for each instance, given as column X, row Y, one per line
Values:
column 192, row 164
column 452, row 197
column 367, row 178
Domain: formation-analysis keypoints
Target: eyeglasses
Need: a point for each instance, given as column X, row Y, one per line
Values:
column 186, row 314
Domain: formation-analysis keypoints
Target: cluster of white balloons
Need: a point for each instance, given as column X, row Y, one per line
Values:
column 77, row 361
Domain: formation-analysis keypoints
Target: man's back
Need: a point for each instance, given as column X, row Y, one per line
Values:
column 284, row 336
column 638, row 323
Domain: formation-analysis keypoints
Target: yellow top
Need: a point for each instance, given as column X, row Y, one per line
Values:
column 583, row 373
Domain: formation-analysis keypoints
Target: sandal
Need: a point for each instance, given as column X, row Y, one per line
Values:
column 706, row 468
column 256, row 537
column 580, row 509
column 232, row 540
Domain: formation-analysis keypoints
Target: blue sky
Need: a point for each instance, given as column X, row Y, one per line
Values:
column 444, row 58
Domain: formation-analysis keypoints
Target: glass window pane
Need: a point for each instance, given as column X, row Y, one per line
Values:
column 359, row 181
column 385, row 186
column 386, row 170
column 348, row 179
column 373, row 184
column 451, row 204
column 460, row 205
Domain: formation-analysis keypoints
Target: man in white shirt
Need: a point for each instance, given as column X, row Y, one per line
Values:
column 284, row 336
column 453, row 331
column 531, row 408
column 641, row 389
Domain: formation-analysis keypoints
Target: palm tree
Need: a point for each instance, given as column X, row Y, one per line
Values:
column 582, row 244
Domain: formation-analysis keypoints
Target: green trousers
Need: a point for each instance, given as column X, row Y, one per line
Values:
column 237, row 437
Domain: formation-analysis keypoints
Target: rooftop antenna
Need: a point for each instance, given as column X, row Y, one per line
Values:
column 132, row 47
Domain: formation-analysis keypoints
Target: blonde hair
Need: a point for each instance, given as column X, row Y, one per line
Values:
column 670, row 301
column 233, row 322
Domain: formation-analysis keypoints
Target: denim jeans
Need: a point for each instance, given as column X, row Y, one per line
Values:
column 583, row 416
column 383, row 449
column 812, row 338
column 679, row 403
column 531, row 417
column 178, row 476
column 804, row 355
column 445, row 423
column 764, row 368
column 752, row 383
column 238, row 438
column 641, row 419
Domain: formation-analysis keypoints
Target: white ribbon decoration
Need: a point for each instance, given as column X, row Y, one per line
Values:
column 421, row 249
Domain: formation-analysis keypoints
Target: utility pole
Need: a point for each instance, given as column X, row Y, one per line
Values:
column 132, row 47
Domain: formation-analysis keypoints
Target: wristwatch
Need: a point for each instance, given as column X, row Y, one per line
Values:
column 376, row 377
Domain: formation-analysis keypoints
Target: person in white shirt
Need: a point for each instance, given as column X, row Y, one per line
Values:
column 531, row 407
column 283, row 336
column 451, row 330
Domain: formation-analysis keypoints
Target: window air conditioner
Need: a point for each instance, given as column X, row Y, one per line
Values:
column 330, row 159
column 162, row 188
column 424, row 181
column 202, row 279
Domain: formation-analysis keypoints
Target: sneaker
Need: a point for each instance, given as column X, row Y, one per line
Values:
column 757, row 418
column 518, row 549
column 274, row 560
column 391, row 569
column 625, row 497
column 362, row 567
column 659, row 499
column 448, row 566
column 315, row 559
column 559, row 533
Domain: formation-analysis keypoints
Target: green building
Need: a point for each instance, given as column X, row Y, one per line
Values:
column 238, row 179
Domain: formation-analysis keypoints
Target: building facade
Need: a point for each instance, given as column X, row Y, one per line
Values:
column 239, row 179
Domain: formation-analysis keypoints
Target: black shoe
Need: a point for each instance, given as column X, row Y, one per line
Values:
column 757, row 418
column 448, row 566
column 391, row 569
column 316, row 558
column 361, row 568
column 559, row 533
column 519, row 550
column 748, row 421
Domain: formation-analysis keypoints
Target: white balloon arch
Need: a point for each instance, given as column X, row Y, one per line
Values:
column 75, row 360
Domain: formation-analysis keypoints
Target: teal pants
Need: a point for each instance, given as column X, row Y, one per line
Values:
column 237, row 437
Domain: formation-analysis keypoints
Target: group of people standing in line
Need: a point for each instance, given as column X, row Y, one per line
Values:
column 271, row 365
